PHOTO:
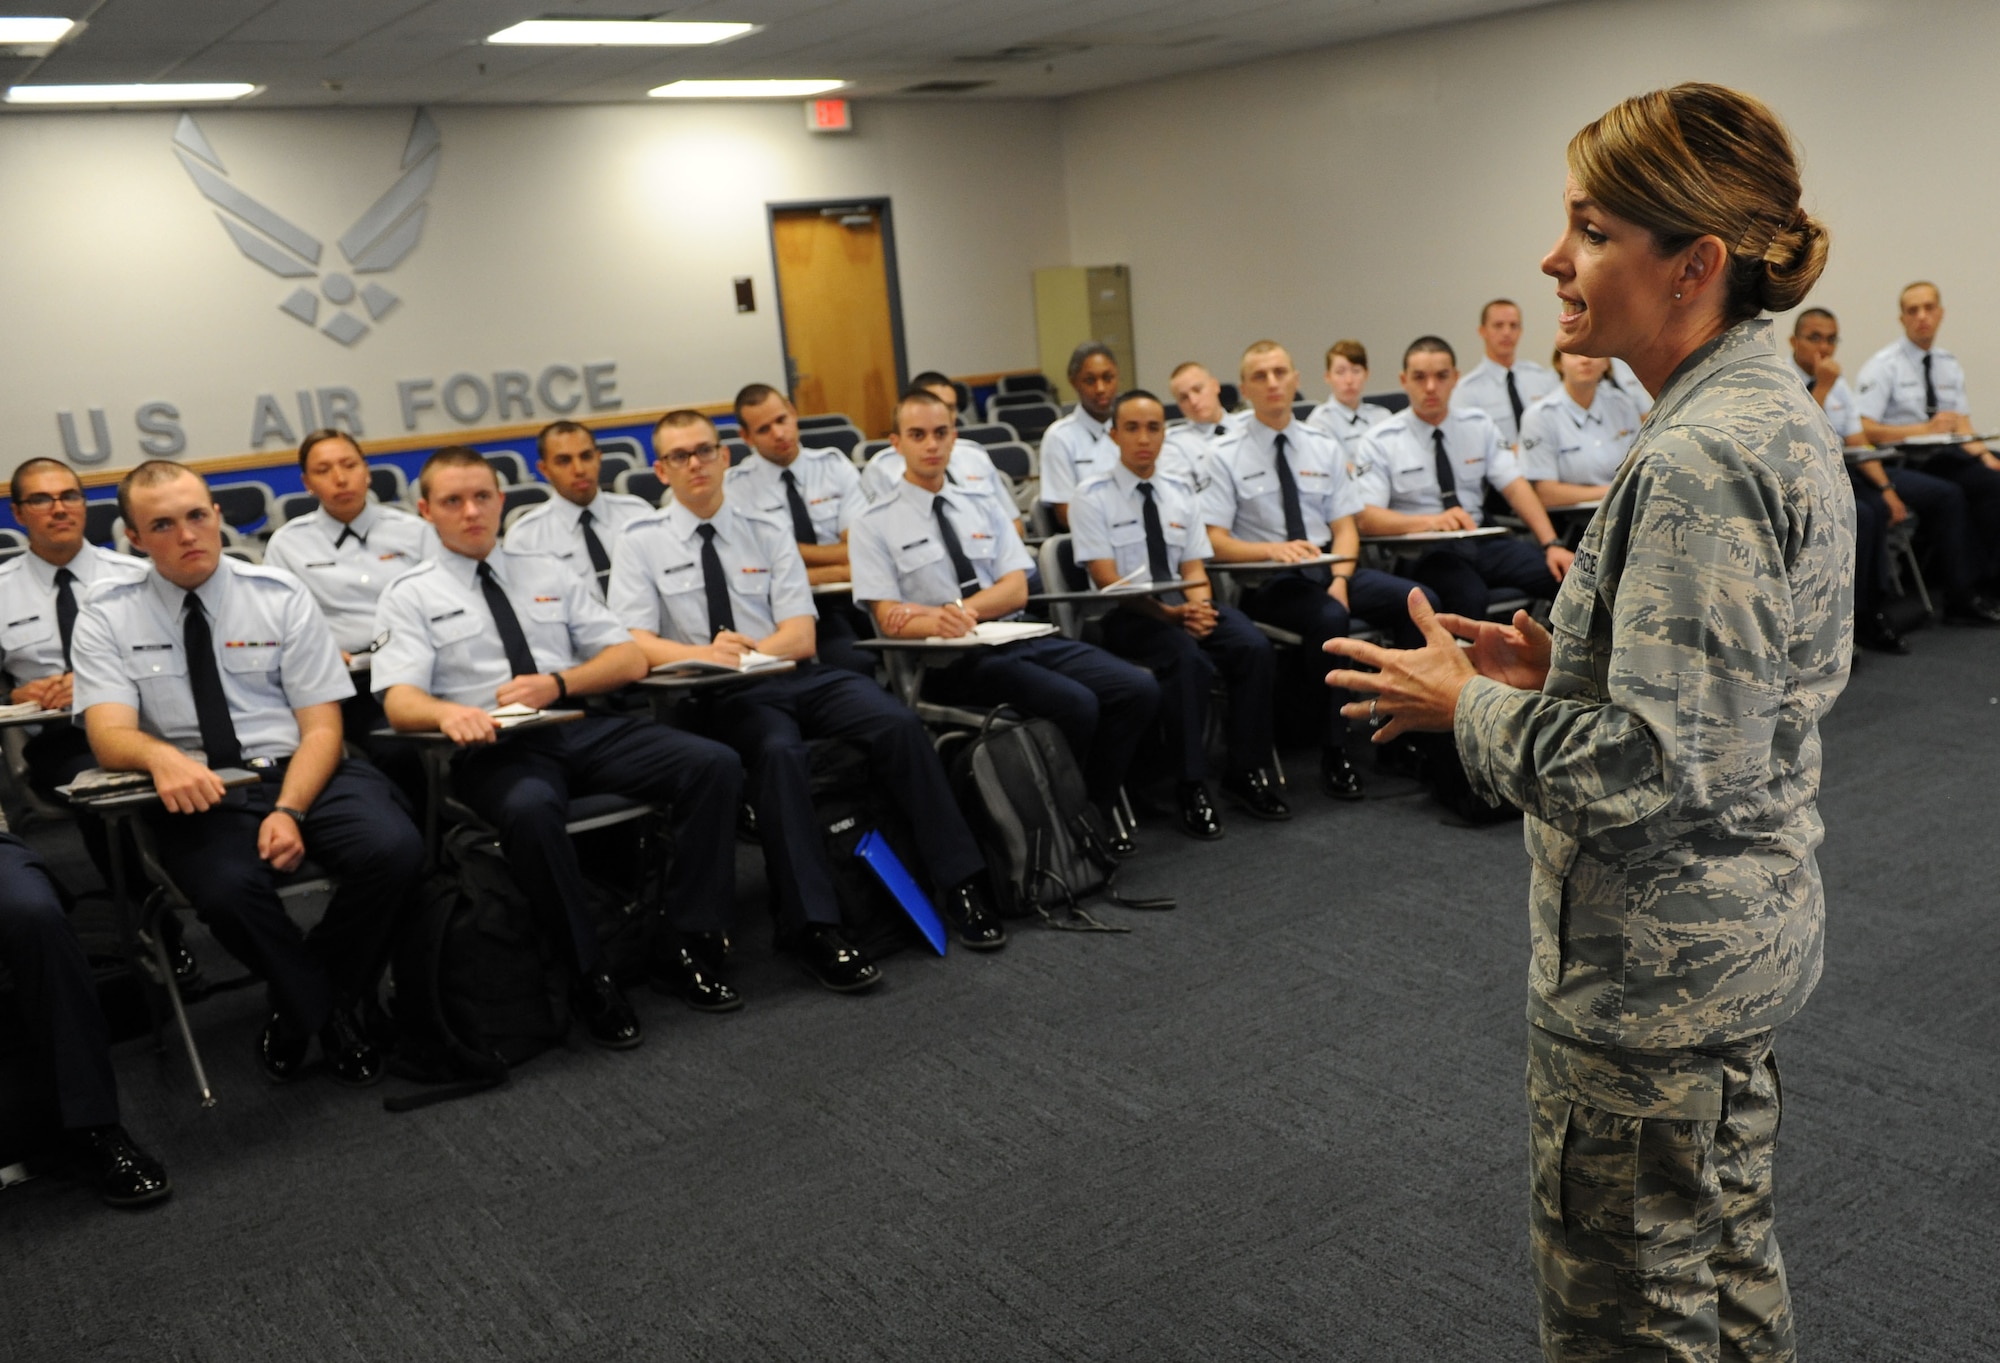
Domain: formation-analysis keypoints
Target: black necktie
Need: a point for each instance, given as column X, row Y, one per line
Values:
column 961, row 566
column 520, row 658
column 1514, row 401
column 721, row 615
column 211, row 708
column 1930, row 390
column 1156, row 539
column 802, row 521
column 65, row 610
column 600, row 562
column 348, row 532
column 1288, row 489
column 1447, row 485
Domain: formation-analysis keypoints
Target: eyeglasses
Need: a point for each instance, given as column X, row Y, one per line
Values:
column 42, row 501
column 700, row 454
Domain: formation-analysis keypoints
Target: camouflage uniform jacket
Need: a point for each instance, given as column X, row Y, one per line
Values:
column 1669, row 765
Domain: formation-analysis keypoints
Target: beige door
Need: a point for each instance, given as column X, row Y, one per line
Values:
column 840, row 339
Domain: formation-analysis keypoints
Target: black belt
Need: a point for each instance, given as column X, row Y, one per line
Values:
column 267, row 763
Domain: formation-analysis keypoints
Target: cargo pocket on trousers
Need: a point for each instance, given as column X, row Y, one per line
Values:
column 1639, row 1193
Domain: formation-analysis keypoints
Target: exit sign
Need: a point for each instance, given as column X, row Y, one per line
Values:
column 829, row 116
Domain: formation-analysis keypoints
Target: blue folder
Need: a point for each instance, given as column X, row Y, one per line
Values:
column 889, row 869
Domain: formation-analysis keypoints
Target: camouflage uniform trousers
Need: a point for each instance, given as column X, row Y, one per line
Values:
column 1651, row 1219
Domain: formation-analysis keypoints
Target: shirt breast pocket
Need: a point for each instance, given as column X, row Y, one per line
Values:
column 22, row 634
column 456, row 629
column 160, row 672
column 546, row 610
column 912, row 557
column 251, row 659
column 1127, row 533
column 979, row 547
column 680, row 581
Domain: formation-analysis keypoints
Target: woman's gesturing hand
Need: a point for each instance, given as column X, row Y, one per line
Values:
column 1516, row 654
column 1412, row 688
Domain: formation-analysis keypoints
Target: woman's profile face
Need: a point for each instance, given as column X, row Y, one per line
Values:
column 1616, row 290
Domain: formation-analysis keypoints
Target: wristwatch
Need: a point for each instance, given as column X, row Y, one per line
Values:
column 298, row 816
column 1550, row 544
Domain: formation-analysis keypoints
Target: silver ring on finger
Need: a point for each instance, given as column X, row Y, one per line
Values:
column 1371, row 710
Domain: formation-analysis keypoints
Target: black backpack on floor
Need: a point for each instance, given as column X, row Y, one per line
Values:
column 478, row 988
column 1020, row 789
column 847, row 807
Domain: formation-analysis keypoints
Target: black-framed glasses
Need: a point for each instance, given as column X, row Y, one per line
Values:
column 42, row 501
column 706, row 453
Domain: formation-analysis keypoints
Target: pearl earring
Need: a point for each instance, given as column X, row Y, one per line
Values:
column 1676, row 296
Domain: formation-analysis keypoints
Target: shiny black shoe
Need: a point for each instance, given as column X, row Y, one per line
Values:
column 1976, row 609
column 605, row 1012
column 351, row 1058
column 1876, row 633
column 281, row 1049
column 123, row 1174
column 1117, row 837
column 1257, row 793
column 746, row 823
column 692, row 973
column 976, row 926
column 187, row 970
column 831, row 959
column 1198, row 816
column 1337, row 776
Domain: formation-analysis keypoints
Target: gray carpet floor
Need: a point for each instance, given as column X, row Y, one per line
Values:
column 1283, row 1121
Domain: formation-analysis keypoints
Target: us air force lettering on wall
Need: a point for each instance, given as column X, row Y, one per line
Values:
column 377, row 242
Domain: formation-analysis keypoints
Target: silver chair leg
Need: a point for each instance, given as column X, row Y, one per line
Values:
column 157, row 943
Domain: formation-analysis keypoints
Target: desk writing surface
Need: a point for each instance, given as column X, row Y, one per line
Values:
column 1435, row 536
column 1272, row 565
column 29, row 713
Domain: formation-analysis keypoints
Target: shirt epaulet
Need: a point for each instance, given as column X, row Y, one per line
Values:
column 400, row 578
column 268, row 578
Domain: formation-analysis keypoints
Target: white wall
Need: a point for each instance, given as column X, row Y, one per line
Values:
column 556, row 235
column 1387, row 189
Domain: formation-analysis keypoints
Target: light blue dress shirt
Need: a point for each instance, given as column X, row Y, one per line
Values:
column 555, row 528
column 442, row 638
column 1569, row 444
column 30, row 640
column 1246, row 498
column 828, row 481
column 1108, row 520
column 1397, row 467
column 1075, row 448
column 274, row 652
column 1890, row 387
column 970, row 470
column 657, row 583
column 1484, row 389
column 1347, row 425
column 896, row 554
column 347, row 578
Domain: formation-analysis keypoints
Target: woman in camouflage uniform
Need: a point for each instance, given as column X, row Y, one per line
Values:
column 1663, row 739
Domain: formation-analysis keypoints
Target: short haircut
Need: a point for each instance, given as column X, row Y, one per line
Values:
column 1258, row 348
column 1186, row 365
column 452, row 457
column 909, row 397
column 29, row 466
column 152, row 473
column 1081, row 356
column 1132, row 395
column 754, row 395
column 1918, row 284
column 1497, row 303
column 679, row 417
column 1800, row 320
column 1352, row 351
column 562, row 428
column 930, row 378
column 1430, row 345
column 326, row 433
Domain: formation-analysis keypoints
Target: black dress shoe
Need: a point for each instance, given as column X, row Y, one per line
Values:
column 1976, row 609
column 1255, row 791
column 691, row 974
column 975, row 924
column 123, row 1174
column 746, row 823
column 1198, row 816
column 1337, row 776
column 606, row 1013
column 1875, row 632
column 831, row 959
column 1117, row 837
column 281, row 1049
column 173, row 936
column 351, row 1058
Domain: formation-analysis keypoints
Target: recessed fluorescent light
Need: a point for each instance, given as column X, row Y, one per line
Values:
column 618, row 33
column 127, row 94
column 744, row 89
column 23, row 29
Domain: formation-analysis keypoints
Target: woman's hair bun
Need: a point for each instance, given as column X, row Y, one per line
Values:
column 1793, row 263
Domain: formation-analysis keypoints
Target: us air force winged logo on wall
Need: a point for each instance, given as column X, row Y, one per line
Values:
column 376, row 244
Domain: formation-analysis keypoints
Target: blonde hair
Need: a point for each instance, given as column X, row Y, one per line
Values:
column 1704, row 160
column 1259, row 348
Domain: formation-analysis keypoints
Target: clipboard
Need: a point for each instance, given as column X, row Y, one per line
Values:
column 874, row 849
